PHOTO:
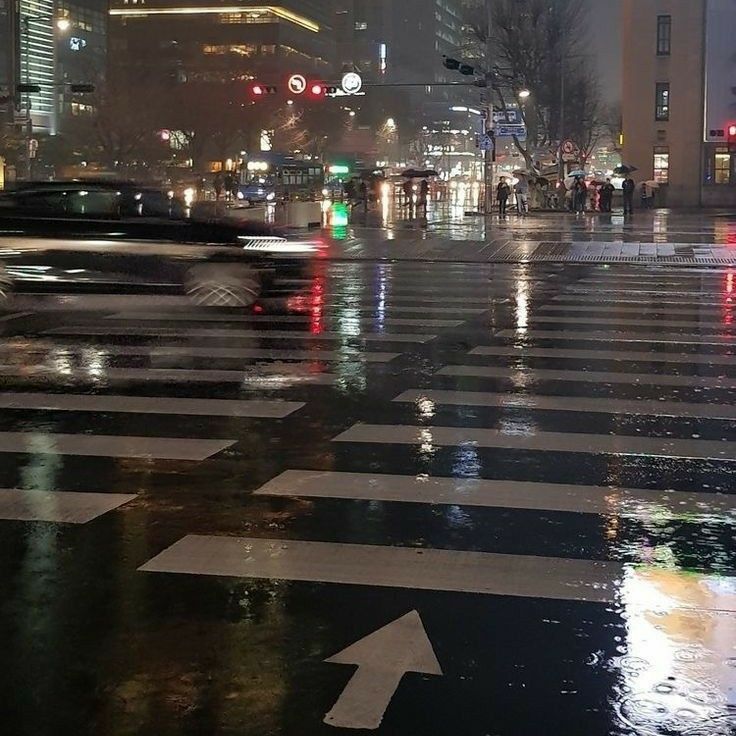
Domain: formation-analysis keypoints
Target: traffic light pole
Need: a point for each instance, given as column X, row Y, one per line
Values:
column 488, row 173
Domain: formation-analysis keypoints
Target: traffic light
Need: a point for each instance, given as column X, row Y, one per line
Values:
column 258, row 90
column 732, row 138
column 458, row 66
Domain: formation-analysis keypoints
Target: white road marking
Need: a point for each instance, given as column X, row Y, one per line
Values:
column 615, row 355
column 383, row 658
column 715, row 324
column 628, row 502
column 156, row 448
column 16, row 315
column 577, row 442
column 273, row 409
column 654, row 309
column 63, row 507
column 269, row 376
column 237, row 334
column 286, row 318
column 620, row 336
column 636, row 407
column 526, row 375
column 393, row 567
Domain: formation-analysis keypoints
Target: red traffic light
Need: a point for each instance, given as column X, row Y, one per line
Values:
column 732, row 131
column 317, row 90
column 258, row 91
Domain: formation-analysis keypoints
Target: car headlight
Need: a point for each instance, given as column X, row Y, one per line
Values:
column 241, row 195
column 271, row 196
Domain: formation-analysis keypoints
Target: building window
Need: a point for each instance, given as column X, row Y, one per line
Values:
column 662, row 101
column 722, row 168
column 664, row 35
column 662, row 165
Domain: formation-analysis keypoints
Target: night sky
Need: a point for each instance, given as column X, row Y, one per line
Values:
column 605, row 28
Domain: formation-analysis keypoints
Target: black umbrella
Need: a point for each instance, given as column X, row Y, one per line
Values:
column 419, row 173
column 624, row 169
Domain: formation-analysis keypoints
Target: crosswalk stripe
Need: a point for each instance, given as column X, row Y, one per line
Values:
column 264, row 409
column 240, row 334
column 598, row 298
column 603, row 336
column 184, row 351
column 544, row 374
column 578, row 442
column 393, row 567
column 286, row 318
column 156, row 448
column 63, row 507
column 629, row 502
column 636, row 309
column 615, row 355
column 265, row 375
column 712, row 324
column 636, row 407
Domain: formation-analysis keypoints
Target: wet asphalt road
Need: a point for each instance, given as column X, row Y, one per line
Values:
column 585, row 586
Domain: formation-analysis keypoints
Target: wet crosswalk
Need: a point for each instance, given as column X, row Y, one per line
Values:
column 394, row 442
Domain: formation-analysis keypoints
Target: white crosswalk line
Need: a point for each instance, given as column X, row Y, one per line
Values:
column 651, row 311
column 236, row 334
column 576, row 442
column 598, row 298
column 184, row 351
column 710, row 324
column 116, row 446
column 63, row 507
column 614, row 355
column 620, row 336
column 394, row 567
column 285, row 318
column 267, row 409
column 268, row 376
column 635, row 407
column 628, row 502
column 527, row 375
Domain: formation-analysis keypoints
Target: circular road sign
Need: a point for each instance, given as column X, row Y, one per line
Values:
column 351, row 83
column 297, row 84
column 568, row 146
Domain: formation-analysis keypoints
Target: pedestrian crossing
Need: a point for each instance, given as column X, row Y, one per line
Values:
column 62, row 507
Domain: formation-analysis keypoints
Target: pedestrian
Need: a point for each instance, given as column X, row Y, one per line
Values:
column 217, row 185
column 235, row 186
column 423, row 195
column 593, row 196
column 408, row 187
column 228, row 181
column 350, row 190
column 580, row 194
column 503, row 192
column 628, row 188
column 364, row 195
column 607, row 196
column 522, row 195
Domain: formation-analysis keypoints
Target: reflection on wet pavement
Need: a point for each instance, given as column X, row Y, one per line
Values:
column 199, row 510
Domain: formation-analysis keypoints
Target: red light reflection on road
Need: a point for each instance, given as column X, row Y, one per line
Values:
column 316, row 311
column 728, row 299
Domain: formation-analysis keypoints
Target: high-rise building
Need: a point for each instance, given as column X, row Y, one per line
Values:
column 679, row 98
column 216, row 40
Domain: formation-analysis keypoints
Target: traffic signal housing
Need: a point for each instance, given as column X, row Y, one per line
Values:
column 259, row 91
column 731, row 132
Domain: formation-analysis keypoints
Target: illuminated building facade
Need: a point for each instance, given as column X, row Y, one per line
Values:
column 679, row 98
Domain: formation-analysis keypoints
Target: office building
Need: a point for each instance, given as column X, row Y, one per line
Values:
column 679, row 98
column 218, row 41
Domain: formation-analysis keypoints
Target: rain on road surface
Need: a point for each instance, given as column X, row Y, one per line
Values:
column 446, row 498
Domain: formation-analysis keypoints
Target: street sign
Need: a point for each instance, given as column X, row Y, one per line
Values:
column 510, row 116
column 383, row 658
column 568, row 146
column 508, row 131
column 486, row 143
column 351, row 83
column 297, row 84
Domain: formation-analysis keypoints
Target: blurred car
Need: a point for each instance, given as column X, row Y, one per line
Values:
column 103, row 237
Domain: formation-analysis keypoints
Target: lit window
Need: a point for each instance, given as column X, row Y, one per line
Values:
column 661, row 165
column 662, row 101
column 664, row 35
column 361, row 25
column 722, row 168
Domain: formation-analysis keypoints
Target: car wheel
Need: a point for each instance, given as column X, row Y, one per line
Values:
column 219, row 285
column 6, row 284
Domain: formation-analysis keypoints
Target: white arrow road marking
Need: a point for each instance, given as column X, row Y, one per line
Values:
column 383, row 658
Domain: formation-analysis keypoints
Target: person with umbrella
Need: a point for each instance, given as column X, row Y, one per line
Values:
column 606, row 195
column 628, row 188
column 503, row 192
column 580, row 194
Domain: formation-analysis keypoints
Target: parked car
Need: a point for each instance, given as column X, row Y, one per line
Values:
column 99, row 237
